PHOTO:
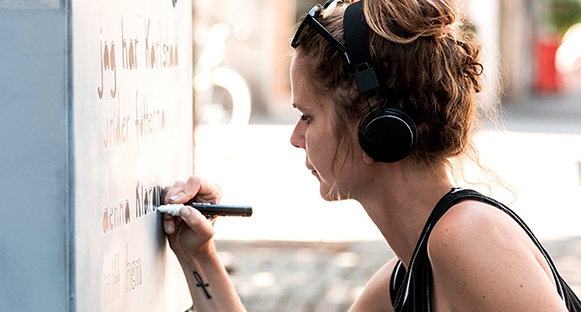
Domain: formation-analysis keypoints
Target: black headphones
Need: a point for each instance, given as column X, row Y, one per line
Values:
column 386, row 134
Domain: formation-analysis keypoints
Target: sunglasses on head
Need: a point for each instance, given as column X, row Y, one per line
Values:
column 311, row 20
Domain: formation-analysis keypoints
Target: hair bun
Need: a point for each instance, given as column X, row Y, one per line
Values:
column 404, row 21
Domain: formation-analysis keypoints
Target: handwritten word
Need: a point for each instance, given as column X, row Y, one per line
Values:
column 148, row 121
column 115, row 130
column 107, row 59
column 134, row 273
column 146, row 199
column 113, row 276
column 159, row 53
column 111, row 282
column 115, row 215
column 129, row 50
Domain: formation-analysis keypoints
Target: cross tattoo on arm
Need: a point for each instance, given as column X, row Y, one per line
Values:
column 201, row 284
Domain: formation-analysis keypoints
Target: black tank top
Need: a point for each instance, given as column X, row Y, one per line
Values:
column 411, row 291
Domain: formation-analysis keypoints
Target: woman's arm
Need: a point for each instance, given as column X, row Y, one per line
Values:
column 190, row 237
column 210, row 286
column 376, row 297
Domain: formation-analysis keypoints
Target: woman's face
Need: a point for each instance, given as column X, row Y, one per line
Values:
column 314, row 132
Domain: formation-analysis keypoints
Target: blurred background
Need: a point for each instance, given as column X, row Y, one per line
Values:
column 533, row 46
column 299, row 253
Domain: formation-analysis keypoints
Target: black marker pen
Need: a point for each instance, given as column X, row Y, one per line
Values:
column 209, row 210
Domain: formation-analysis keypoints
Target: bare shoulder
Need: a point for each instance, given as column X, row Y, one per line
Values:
column 469, row 220
column 482, row 260
column 375, row 297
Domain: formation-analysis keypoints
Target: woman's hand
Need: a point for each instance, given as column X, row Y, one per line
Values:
column 191, row 232
column 190, row 236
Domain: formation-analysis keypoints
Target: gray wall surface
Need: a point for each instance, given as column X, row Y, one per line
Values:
column 33, row 160
column 96, row 117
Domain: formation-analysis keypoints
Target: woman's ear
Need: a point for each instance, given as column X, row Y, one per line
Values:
column 366, row 159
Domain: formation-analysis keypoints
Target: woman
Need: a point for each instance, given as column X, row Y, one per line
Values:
column 387, row 89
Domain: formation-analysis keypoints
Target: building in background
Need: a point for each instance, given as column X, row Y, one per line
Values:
column 515, row 42
column 253, row 40
column 527, row 35
column 255, row 43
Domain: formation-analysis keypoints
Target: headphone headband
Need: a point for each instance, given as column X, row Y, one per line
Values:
column 356, row 33
column 386, row 134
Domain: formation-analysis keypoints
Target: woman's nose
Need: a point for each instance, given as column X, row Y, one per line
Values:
column 297, row 138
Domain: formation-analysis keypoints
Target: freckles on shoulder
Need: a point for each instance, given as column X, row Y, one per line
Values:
column 481, row 244
column 482, row 258
column 457, row 249
column 471, row 230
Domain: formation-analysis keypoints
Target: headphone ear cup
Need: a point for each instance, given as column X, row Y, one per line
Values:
column 387, row 135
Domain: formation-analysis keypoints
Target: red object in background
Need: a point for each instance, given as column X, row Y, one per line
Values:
column 547, row 79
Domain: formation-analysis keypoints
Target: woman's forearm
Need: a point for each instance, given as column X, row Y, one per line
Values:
column 210, row 286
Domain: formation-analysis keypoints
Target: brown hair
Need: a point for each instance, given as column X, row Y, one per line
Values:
column 425, row 62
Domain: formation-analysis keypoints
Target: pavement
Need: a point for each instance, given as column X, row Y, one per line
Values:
column 285, row 276
column 300, row 253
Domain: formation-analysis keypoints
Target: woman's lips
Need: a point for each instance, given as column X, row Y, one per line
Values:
column 313, row 171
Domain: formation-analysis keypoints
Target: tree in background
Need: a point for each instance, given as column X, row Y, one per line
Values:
column 562, row 14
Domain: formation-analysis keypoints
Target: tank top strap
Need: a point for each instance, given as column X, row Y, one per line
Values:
column 411, row 290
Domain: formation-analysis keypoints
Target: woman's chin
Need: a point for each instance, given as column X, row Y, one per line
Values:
column 329, row 194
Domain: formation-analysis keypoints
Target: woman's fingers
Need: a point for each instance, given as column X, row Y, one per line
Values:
column 191, row 231
column 195, row 187
column 198, row 223
column 169, row 224
column 206, row 191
